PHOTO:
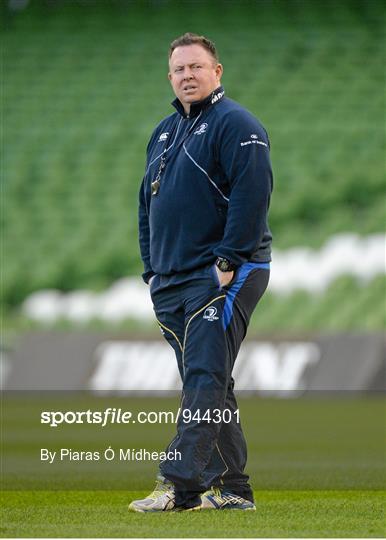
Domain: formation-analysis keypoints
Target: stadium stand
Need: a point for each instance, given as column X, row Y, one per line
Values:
column 85, row 83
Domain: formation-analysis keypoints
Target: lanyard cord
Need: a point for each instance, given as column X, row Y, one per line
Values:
column 155, row 185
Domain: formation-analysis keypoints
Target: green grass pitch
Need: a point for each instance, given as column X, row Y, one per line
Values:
column 279, row 514
column 317, row 466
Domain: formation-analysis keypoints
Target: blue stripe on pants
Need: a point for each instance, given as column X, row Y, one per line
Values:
column 243, row 273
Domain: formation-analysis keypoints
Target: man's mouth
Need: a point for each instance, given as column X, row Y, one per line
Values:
column 189, row 87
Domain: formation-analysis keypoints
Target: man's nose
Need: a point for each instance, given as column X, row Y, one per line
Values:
column 188, row 74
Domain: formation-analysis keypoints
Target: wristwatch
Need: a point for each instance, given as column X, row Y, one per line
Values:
column 224, row 265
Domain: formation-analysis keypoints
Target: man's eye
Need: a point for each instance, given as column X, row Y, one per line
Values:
column 197, row 66
column 178, row 70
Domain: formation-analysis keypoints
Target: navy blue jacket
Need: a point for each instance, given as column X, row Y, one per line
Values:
column 214, row 190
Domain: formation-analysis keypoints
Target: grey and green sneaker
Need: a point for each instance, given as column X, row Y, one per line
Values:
column 162, row 499
column 221, row 499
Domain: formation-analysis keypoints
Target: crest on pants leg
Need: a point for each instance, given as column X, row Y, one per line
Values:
column 210, row 314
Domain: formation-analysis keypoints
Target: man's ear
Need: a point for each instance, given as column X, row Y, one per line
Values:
column 219, row 71
column 169, row 76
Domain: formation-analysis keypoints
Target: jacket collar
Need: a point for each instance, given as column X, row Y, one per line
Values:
column 197, row 106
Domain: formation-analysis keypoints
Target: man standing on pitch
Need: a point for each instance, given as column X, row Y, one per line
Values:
column 206, row 249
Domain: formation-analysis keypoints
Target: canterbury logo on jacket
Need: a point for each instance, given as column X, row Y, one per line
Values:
column 214, row 190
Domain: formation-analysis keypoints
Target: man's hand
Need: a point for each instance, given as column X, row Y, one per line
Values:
column 224, row 277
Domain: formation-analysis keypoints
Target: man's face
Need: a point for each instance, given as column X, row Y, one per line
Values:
column 193, row 74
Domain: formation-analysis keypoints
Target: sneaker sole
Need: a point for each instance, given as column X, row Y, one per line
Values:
column 133, row 508
column 230, row 508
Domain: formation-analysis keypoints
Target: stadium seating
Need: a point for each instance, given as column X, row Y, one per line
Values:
column 85, row 83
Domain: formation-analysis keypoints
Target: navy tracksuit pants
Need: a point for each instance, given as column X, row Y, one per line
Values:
column 205, row 324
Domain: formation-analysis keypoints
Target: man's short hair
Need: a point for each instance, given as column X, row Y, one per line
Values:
column 194, row 39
